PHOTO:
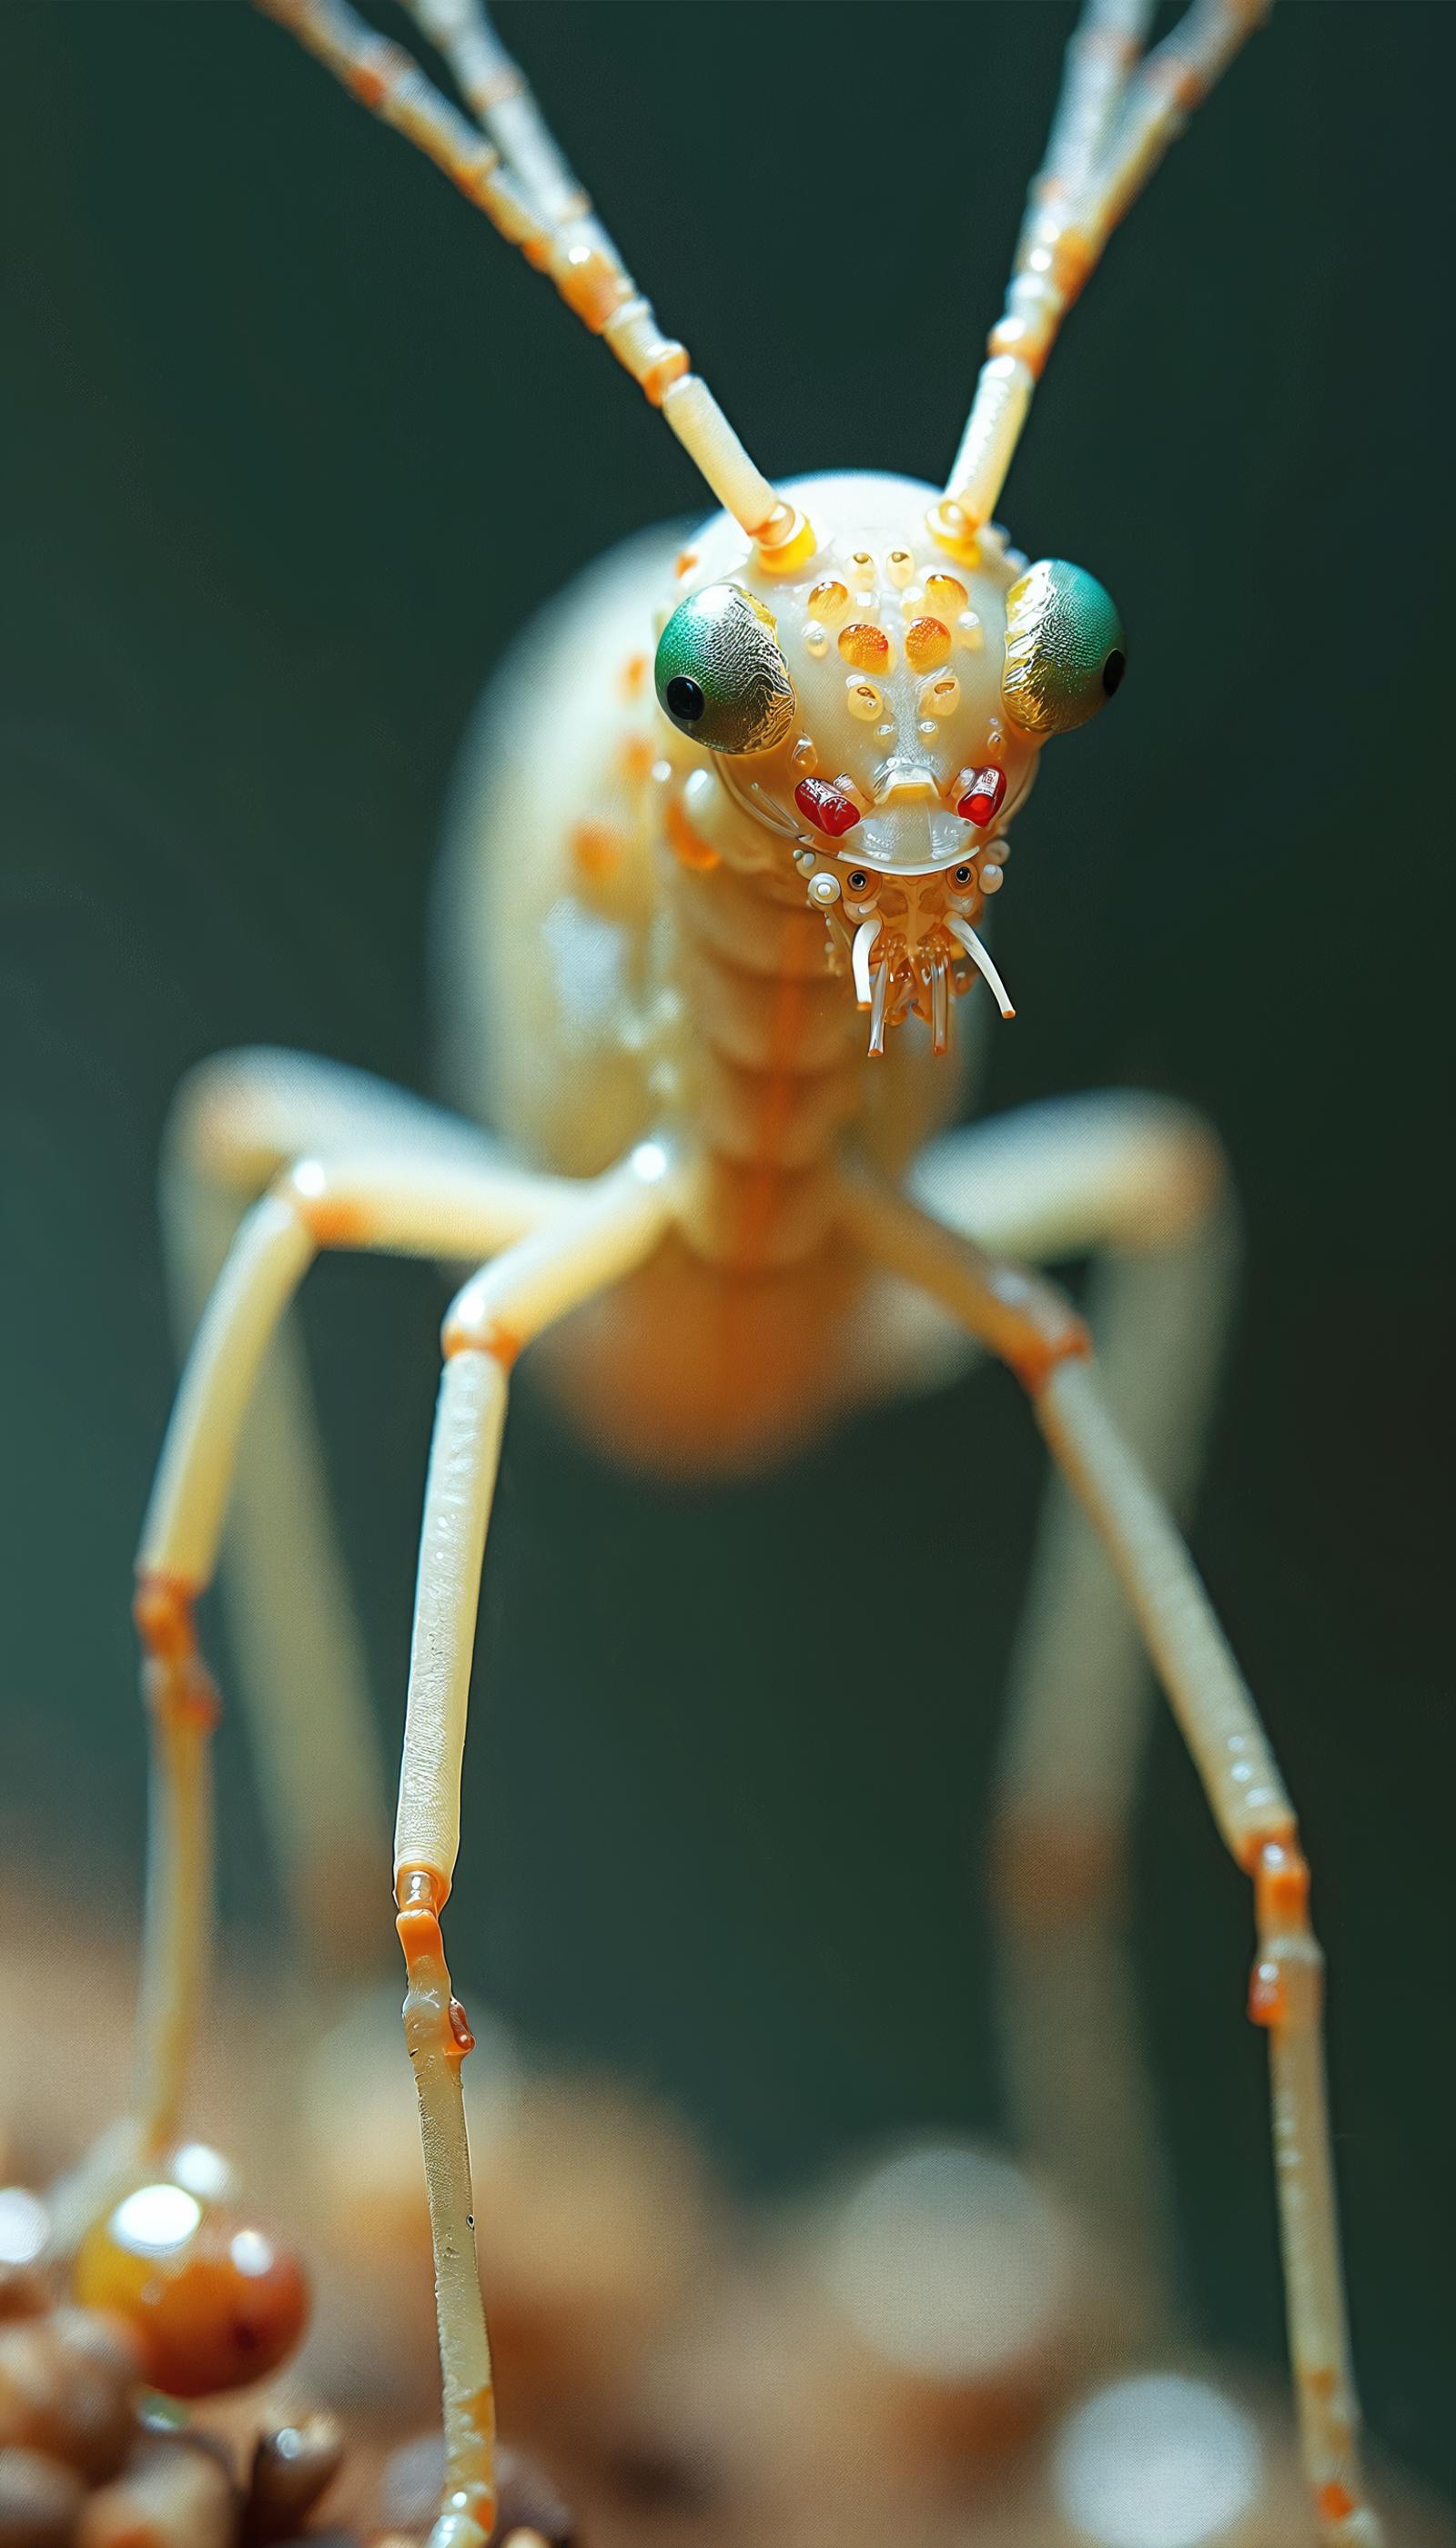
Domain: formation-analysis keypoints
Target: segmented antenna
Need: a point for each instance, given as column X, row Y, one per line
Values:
column 1118, row 110
column 509, row 166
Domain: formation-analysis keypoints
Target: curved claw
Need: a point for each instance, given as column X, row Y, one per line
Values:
column 962, row 931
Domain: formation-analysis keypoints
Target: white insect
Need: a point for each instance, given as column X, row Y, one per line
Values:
column 705, row 933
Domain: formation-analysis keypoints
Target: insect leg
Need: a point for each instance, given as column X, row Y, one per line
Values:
column 399, row 1205
column 612, row 1229
column 1026, row 1324
column 237, row 1122
column 1230, row 1751
column 1138, row 1183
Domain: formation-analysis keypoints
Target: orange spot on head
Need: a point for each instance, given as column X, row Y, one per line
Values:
column 946, row 595
column 827, row 598
column 927, row 644
column 683, row 563
column 634, row 675
column 864, row 646
column 638, row 755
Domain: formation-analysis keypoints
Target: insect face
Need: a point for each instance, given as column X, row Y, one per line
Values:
column 881, row 707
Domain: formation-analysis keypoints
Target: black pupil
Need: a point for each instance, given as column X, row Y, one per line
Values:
column 962, row 876
column 684, row 699
column 1113, row 671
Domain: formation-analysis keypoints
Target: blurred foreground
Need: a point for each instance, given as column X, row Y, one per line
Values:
column 930, row 2348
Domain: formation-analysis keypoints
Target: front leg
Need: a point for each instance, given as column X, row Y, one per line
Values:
column 1031, row 1327
column 389, row 1201
column 237, row 1122
column 611, row 1230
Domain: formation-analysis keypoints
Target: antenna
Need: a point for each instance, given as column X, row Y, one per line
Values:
column 1118, row 110
column 508, row 166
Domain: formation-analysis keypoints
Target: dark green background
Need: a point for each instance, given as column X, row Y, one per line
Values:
column 293, row 444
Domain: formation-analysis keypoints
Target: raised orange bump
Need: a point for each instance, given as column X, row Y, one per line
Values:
column 1335, row 2501
column 864, row 646
column 462, row 2041
column 501, row 1343
column 927, row 644
column 1269, row 2000
column 590, row 284
column 1281, row 1887
column 163, row 1608
column 334, row 1221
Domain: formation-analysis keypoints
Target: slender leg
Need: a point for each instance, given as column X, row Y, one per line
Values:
column 614, row 1227
column 1137, row 1182
column 1031, row 1328
column 396, row 1204
column 293, row 1629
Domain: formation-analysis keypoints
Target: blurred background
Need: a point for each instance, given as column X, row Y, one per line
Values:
column 293, row 444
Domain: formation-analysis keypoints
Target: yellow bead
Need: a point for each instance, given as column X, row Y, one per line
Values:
column 927, row 644
column 946, row 595
column 864, row 646
column 829, row 601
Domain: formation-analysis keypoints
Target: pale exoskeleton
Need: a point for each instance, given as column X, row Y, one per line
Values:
column 719, row 875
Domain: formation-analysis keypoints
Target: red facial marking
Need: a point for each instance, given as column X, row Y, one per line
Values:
column 827, row 808
column 984, row 797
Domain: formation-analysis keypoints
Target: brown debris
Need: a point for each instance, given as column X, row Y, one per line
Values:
column 65, row 2391
column 171, row 2495
column 23, row 2291
column 38, row 2501
column 291, row 2468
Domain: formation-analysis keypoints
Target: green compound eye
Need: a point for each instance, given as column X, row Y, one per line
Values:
column 1065, row 652
column 720, row 672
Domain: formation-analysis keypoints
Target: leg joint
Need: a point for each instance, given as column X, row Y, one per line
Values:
column 162, row 1609
column 179, row 1690
column 311, row 1190
column 1286, row 1983
column 481, row 1336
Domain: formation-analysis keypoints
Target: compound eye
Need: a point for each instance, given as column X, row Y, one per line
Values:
column 721, row 672
column 1065, row 652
